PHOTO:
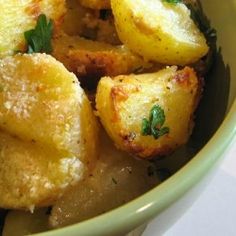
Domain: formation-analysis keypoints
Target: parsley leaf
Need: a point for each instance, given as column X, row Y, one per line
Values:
column 145, row 127
column 153, row 126
column 39, row 39
column 114, row 180
column 173, row 1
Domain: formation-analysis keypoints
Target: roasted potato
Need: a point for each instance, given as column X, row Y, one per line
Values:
column 34, row 175
column 124, row 101
column 90, row 60
column 159, row 31
column 96, row 4
column 49, row 132
column 20, row 16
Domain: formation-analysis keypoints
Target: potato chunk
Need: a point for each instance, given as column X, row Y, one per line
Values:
column 90, row 60
column 124, row 101
column 96, row 4
column 159, row 31
column 20, row 16
column 49, row 131
column 34, row 175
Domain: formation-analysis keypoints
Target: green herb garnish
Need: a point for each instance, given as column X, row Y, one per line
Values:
column 173, row 1
column 153, row 126
column 39, row 39
column 114, row 180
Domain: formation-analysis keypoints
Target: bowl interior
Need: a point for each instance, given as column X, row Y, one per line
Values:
column 218, row 97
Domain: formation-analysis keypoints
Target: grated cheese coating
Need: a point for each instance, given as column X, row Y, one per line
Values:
column 48, row 131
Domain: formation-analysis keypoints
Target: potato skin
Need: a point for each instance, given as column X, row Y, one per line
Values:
column 122, row 102
column 20, row 16
column 96, row 4
column 159, row 31
column 48, row 131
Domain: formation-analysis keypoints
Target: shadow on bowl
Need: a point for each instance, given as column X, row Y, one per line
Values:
column 209, row 116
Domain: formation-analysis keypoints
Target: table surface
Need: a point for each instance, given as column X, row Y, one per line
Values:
column 214, row 213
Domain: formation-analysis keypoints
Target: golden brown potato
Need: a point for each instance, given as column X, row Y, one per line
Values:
column 34, row 175
column 159, row 31
column 49, row 132
column 90, row 60
column 96, row 4
column 20, row 16
column 41, row 100
column 124, row 101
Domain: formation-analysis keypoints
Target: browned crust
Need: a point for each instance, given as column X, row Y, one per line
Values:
column 94, row 63
column 118, row 94
column 182, row 77
column 96, row 4
column 139, row 151
column 142, row 26
column 34, row 9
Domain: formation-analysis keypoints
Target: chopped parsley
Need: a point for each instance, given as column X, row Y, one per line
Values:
column 39, row 39
column 114, row 180
column 173, row 1
column 154, row 126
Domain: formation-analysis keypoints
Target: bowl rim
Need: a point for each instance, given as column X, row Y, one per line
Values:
column 147, row 206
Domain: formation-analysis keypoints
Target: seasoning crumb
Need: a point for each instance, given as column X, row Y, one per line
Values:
column 114, row 181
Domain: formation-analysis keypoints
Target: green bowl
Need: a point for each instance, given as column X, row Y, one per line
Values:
column 214, row 131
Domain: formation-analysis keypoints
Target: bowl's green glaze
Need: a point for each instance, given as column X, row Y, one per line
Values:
column 217, row 105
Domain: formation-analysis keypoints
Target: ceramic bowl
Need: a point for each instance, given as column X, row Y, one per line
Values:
column 214, row 131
